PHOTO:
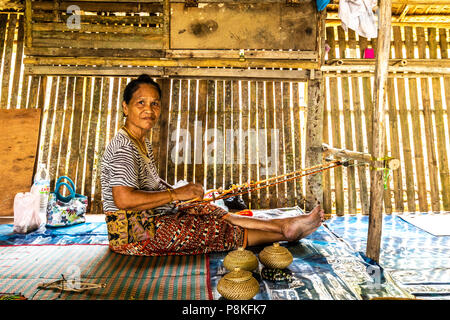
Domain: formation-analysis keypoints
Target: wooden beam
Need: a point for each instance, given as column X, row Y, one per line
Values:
column 141, row 62
column 378, row 130
column 405, row 23
column 182, row 73
column 28, row 27
column 314, row 134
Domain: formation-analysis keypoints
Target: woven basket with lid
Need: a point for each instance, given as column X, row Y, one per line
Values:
column 240, row 258
column 238, row 285
column 275, row 257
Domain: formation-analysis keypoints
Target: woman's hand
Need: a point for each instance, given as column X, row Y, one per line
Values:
column 189, row 191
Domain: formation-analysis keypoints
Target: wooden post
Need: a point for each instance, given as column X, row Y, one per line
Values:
column 314, row 128
column 378, row 130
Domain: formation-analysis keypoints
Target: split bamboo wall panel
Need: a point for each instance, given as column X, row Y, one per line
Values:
column 82, row 113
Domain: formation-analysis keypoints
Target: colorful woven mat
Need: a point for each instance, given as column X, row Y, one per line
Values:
column 84, row 233
column 24, row 268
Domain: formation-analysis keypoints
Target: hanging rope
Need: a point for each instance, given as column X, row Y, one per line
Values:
column 248, row 187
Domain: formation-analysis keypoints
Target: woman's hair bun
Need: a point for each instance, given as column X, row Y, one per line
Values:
column 144, row 77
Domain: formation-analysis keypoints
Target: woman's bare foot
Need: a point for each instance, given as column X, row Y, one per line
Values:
column 302, row 226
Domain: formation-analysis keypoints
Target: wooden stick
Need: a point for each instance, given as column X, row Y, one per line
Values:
column 378, row 132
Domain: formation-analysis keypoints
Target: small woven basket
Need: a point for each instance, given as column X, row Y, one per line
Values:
column 238, row 285
column 240, row 258
column 275, row 257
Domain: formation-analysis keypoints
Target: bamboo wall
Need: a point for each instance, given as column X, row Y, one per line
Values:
column 81, row 114
column 418, row 124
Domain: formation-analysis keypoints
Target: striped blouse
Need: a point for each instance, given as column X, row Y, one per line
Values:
column 123, row 165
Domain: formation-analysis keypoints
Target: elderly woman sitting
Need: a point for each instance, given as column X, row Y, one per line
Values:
column 140, row 214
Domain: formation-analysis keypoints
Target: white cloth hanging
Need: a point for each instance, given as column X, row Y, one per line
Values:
column 358, row 16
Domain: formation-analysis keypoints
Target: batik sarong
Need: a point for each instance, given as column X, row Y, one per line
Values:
column 196, row 230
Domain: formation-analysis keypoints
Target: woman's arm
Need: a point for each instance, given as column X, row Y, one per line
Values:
column 128, row 198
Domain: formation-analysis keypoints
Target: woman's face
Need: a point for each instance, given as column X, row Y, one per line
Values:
column 144, row 108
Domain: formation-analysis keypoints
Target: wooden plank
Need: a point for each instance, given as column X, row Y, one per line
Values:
column 184, row 109
column 3, row 29
column 166, row 24
column 281, row 187
column 387, row 190
column 335, row 126
column 444, row 55
column 343, row 53
column 20, row 139
column 252, row 142
column 327, row 203
column 395, row 147
column 211, row 140
column 87, row 110
column 40, row 17
column 227, row 101
column 357, row 113
column 87, row 52
column 271, row 141
column 18, row 63
column 173, row 136
column 28, row 23
column 173, row 72
column 245, row 139
column 49, row 124
column 155, row 131
column 230, row 54
column 90, row 154
column 100, row 44
column 263, row 146
column 201, row 127
column 42, row 92
column 115, row 108
column 288, row 148
column 359, row 140
column 191, row 129
column 428, row 121
column 247, row 63
column 220, row 147
column 293, row 28
column 336, row 142
column 66, row 128
column 404, row 125
column 314, row 122
column 99, row 7
column 416, row 123
column 75, row 152
column 297, row 133
column 351, row 183
column 33, row 94
column 97, row 206
column 378, row 131
column 56, row 138
column 84, row 28
column 236, row 165
column 64, row 37
column 440, row 126
column 12, row 21
column 164, row 127
column 121, row 120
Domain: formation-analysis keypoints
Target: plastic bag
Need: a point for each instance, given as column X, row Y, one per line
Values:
column 26, row 211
